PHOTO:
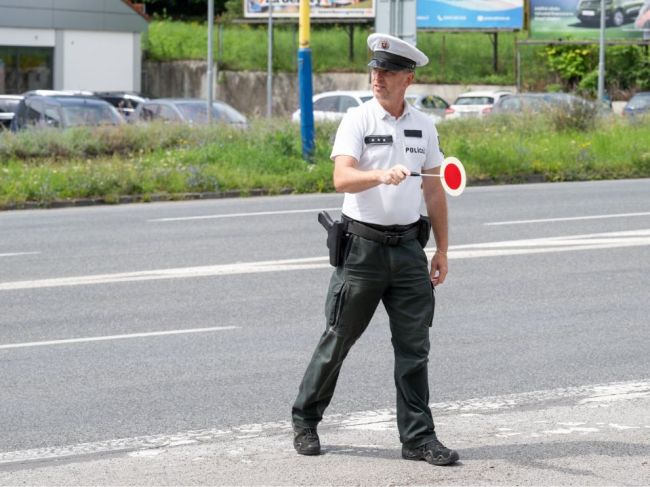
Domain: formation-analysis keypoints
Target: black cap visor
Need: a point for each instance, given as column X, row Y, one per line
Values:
column 390, row 62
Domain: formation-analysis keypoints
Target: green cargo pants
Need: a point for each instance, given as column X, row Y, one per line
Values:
column 399, row 277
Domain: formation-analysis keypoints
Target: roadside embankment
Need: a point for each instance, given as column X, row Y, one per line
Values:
column 155, row 162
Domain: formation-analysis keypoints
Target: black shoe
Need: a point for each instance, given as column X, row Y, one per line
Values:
column 305, row 441
column 433, row 452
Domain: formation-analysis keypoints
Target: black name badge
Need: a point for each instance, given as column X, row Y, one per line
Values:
column 378, row 139
column 413, row 133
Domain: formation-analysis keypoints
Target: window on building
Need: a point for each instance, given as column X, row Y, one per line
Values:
column 26, row 68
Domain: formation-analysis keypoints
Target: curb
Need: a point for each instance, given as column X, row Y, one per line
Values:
column 153, row 198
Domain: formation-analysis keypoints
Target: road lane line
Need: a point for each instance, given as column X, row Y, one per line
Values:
column 570, row 243
column 116, row 337
column 16, row 254
column 570, row 218
column 241, row 215
column 374, row 419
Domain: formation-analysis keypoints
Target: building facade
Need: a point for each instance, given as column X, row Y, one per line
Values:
column 70, row 45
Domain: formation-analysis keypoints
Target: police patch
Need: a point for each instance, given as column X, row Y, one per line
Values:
column 413, row 133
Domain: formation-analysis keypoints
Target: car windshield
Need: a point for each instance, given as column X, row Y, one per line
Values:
column 474, row 100
column 8, row 106
column 639, row 101
column 365, row 98
column 85, row 112
column 196, row 112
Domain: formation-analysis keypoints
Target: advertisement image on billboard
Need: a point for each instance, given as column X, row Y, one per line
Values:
column 470, row 14
column 580, row 19
column 318, row 8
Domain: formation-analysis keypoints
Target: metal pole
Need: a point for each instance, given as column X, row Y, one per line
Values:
column 269, row 64
column 518, row 68
column 305, row 85
column 210, row 58
column 601, row 55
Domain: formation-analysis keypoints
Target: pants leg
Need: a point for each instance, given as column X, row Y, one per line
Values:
column 409, row 302
column 354, row 293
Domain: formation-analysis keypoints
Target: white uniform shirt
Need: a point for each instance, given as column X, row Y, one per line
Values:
column 377, row 140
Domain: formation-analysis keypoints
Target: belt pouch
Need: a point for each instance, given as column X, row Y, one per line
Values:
column 424, row 230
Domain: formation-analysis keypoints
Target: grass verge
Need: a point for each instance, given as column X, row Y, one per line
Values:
column 148, row 161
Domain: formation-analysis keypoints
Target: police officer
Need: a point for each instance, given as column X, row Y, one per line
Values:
column 377, row 146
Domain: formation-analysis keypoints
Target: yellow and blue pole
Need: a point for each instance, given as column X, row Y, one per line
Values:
column 304, row 84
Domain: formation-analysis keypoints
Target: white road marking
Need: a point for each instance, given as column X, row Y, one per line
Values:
column 593, row 241
column 571, row 218
column 16, row 254
column 378, row 419
column 115, row 337
column 241, row 215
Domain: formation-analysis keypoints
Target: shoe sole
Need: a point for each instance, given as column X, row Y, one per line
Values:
column 308, row 453
column 453, row 458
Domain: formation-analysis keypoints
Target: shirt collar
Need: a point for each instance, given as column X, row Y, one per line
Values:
column 383, row 114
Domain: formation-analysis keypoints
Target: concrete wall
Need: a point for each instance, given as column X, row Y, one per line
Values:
column 246, row 91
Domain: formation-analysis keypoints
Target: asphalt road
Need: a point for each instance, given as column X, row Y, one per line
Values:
column 154, row 319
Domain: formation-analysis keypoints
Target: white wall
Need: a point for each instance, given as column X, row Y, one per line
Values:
column 26, row 37
column 100, row 61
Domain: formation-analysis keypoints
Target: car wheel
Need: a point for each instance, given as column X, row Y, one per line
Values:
column 619, row 18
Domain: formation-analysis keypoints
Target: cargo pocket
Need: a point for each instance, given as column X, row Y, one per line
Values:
column 334, row 305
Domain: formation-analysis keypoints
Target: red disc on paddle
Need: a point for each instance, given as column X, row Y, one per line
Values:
column 453, row 176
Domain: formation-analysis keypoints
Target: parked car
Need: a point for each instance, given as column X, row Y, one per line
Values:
column 332, row 105
column 474, row 104
column 545, row 102
column 63, row 110
column 638, row 105
column 125, row 102
column 187, row 110
column 432, row 105
column 617, row 12
column 8, row 105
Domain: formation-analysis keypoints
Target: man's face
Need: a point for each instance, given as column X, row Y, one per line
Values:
column 390, row 85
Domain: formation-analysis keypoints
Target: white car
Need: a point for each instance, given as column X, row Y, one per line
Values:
column 474, row 104
column 330, row 106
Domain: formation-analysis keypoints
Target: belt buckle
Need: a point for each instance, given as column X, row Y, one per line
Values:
column 392, row 240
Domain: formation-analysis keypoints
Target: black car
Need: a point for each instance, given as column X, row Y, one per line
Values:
column 8, row 105
column 125, row 102
column 63, row 110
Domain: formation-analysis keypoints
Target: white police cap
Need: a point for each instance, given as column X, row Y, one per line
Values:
column 394, row 54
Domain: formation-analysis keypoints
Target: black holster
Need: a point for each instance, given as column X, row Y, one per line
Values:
column 424, row 230
column 337, row 237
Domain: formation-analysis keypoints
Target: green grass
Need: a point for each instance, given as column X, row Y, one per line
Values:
column 173, row 160
column 462, row 58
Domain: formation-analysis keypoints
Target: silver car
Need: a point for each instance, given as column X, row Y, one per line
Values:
column 187, row 110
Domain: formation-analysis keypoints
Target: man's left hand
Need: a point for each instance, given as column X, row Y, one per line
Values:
column 438, row 268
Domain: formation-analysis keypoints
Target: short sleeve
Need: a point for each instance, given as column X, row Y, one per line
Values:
column 434, row 153
column 349, row 140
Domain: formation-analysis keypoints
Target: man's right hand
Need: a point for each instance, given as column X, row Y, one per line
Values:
column 394, row 175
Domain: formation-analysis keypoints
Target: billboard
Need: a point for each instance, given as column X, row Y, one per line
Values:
column 470, row 14
column 318, row 8
column 580, row 19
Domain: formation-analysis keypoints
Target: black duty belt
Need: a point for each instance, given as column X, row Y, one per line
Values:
column 387, row 237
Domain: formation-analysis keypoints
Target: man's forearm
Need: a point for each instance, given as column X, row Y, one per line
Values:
column 437, row 211
column 352, row 180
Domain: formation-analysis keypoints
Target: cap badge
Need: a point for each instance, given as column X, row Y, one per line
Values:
column 384, row 44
